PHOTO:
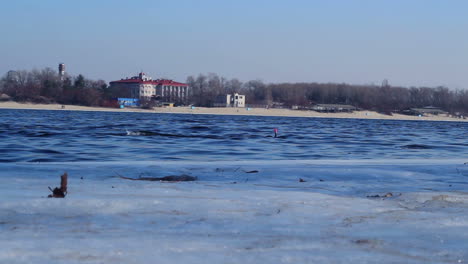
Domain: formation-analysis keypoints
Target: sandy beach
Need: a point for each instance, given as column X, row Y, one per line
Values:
column 231, row 111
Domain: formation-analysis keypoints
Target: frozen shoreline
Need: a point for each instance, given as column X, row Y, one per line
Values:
column 231, row 216
column 232, row 111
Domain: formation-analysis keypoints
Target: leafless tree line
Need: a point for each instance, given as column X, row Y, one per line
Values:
column 46, row 86
column 384, row 98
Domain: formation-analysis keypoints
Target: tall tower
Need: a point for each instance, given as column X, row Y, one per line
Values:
column 61, row 71
column 12, row 75
column 385, row 83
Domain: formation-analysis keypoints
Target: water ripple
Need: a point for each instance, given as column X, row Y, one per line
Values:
column 51, row 136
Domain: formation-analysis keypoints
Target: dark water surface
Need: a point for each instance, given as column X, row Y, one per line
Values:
column 58, row 136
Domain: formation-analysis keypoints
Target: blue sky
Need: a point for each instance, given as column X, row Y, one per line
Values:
column 408, row 42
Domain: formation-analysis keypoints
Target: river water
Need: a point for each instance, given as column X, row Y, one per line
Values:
column 70, row 136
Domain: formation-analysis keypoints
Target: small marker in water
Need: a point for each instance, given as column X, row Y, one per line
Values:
column 276, row 132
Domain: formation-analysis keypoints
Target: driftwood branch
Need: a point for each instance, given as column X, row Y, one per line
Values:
column 171, row 178
column 252, row 171
column 62, row 191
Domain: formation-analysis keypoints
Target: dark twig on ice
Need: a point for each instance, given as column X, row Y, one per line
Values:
column 171, row 178
column 62, row 191
column 252, row 171
column 387, row 195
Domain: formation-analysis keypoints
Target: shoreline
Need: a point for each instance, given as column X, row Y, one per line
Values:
column 231, row 111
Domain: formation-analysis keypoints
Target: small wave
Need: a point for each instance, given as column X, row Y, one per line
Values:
column 104, row 126
column 189, row 135
column 189, row 121
column 282, row 137
column 417, row 146
column 47, row 151
column 42, row 160
column 152, row 133
column 134, row 133
column 37, row 133
column 200, row 128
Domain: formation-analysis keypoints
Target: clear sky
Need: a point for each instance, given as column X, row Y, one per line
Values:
column 408, row 42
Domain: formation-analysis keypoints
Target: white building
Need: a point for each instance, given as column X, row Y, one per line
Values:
column 235, row 100
column 144, row 87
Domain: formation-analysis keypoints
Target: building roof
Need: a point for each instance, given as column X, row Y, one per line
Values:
column 140, row 80
column 154, row 82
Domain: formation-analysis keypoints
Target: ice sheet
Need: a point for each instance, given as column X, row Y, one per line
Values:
column 231, row 216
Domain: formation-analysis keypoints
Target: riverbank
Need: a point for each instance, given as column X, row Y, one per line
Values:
column 231, row 111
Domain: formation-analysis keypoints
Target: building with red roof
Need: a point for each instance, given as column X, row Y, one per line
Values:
column 144, row 87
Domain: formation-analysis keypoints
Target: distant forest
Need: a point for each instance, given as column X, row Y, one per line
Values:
column 46, row 86
column 385, row 98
